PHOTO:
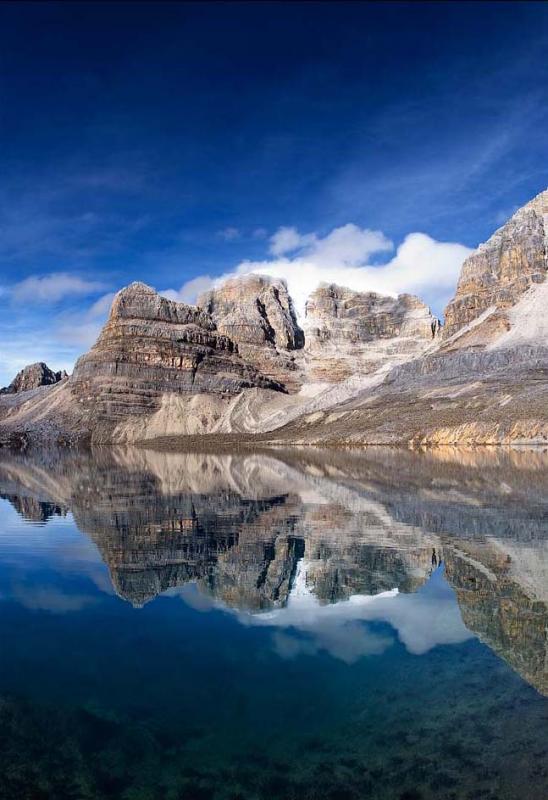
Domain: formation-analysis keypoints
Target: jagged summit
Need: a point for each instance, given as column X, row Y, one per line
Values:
column 33, row 376
column 497, row 275
column 257, row 313
column 363, row 368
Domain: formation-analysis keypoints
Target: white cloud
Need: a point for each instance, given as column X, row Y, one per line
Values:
column 421, row 265
column 422, row 621
column 285, row 240
column 348, row 245
column 346, row 629
column 190, row 290
column 53, row 287
column 82, row 329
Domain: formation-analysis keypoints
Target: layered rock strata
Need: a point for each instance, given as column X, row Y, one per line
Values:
column 151, row 346
column 495, row 277
column 257, row 313
column 356, row 333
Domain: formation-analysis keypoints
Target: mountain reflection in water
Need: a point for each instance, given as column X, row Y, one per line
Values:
column 340, row 555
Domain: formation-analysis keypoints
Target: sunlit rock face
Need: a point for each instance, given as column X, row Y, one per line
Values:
column 495, row 277
column 150, row 347
column 355, row 333
column 32, row 377
column 257, row 313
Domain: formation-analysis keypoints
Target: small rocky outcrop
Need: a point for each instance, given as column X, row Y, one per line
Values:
column 257, row 313
column 150, row 347
column 496, row 276
column 349, row 332
column 33, row 376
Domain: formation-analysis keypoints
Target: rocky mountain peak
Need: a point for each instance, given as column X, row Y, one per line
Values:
column 139, row 301
column 497, row 275
column 254, row 309
column 257, row 313
column 350, row 332
column 33, row 376
column 153, row 348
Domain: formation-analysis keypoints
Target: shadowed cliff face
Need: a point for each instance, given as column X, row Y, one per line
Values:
column 256, row 533
column 257, row 313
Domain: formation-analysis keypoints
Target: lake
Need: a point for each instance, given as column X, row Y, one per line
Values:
column 286, row 624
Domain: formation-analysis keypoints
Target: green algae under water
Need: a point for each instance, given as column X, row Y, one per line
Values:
column 312, row 626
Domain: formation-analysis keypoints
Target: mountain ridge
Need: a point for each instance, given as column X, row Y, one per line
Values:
column 362, row 369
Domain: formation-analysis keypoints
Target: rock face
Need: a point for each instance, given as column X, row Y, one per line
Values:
column 150, row 347
column 32, row 377
column 350, row 332
column 495, row 277
column 257, row 313
column 365, row 369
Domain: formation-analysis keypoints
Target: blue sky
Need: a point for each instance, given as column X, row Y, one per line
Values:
column 166, row 142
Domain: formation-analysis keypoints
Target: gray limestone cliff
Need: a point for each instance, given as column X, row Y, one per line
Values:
column 257, row 313
column 349, row 332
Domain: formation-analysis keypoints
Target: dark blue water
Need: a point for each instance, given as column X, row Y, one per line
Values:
column 254, row 627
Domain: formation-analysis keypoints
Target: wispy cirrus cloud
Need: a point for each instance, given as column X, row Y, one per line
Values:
column 80, row 329
column 229, row 234
column 53, row 287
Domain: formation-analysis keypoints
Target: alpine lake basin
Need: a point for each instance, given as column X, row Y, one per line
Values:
column 285, row 624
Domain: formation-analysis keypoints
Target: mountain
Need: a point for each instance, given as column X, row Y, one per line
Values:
column 356, row 333
column 502, row 283
column 360, row 368
column 258, row 315
column 32, row 377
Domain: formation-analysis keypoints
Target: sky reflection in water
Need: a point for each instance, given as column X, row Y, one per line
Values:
column 304, row 625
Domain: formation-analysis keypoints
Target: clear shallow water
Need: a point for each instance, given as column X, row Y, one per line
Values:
column 274, row 626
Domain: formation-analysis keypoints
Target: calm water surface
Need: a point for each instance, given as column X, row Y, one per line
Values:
column 292, row 625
